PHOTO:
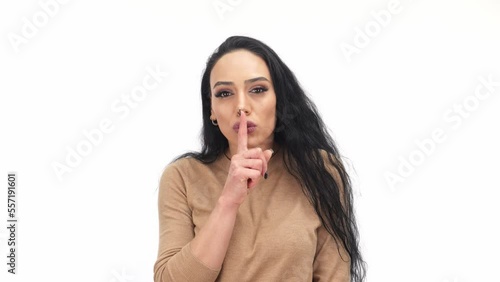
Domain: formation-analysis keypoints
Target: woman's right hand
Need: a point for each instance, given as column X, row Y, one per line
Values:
column 246, row 169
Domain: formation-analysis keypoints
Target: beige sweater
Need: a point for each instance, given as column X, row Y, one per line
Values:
column 277, row 235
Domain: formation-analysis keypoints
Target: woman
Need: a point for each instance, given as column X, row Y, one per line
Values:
column 267, row 198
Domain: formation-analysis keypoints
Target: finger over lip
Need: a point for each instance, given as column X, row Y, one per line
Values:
column 242, row 133
column 236, row 126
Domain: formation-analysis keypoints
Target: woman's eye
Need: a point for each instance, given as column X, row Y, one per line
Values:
column 222, row 94
column 259, row 90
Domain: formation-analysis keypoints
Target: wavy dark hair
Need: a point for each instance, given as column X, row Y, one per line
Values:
column 303, row 136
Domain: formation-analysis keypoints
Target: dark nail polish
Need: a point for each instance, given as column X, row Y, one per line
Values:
column 265, row 175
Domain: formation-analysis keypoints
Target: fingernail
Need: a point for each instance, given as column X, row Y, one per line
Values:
column 266, row 175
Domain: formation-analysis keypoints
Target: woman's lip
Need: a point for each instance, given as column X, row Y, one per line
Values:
column 250, row 127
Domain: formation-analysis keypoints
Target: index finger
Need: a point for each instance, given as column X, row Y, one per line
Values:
column 242, row 133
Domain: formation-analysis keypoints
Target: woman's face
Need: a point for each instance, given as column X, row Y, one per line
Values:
column 241, row 80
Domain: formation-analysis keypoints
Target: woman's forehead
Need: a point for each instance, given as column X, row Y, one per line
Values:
column 237, row 66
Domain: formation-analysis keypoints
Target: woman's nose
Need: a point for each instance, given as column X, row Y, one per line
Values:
column 243, row 110
column 243, row 105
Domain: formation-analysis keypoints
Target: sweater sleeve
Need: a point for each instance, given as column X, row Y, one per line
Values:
column 175, row 261
column 331, row 263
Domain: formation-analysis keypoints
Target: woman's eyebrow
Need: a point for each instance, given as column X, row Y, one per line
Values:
column 260, row 78
column 251, row 80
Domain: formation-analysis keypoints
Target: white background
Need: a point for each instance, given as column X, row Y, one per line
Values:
column 99, row 222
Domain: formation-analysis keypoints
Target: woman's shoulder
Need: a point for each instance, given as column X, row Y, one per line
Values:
column 185, row 163
column 180, row 171
column 188, row 165
column 183, row 171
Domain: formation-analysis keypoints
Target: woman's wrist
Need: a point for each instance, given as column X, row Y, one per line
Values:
column 227, row 205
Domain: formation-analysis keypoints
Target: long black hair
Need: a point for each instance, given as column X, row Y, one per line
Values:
column 303, row 136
